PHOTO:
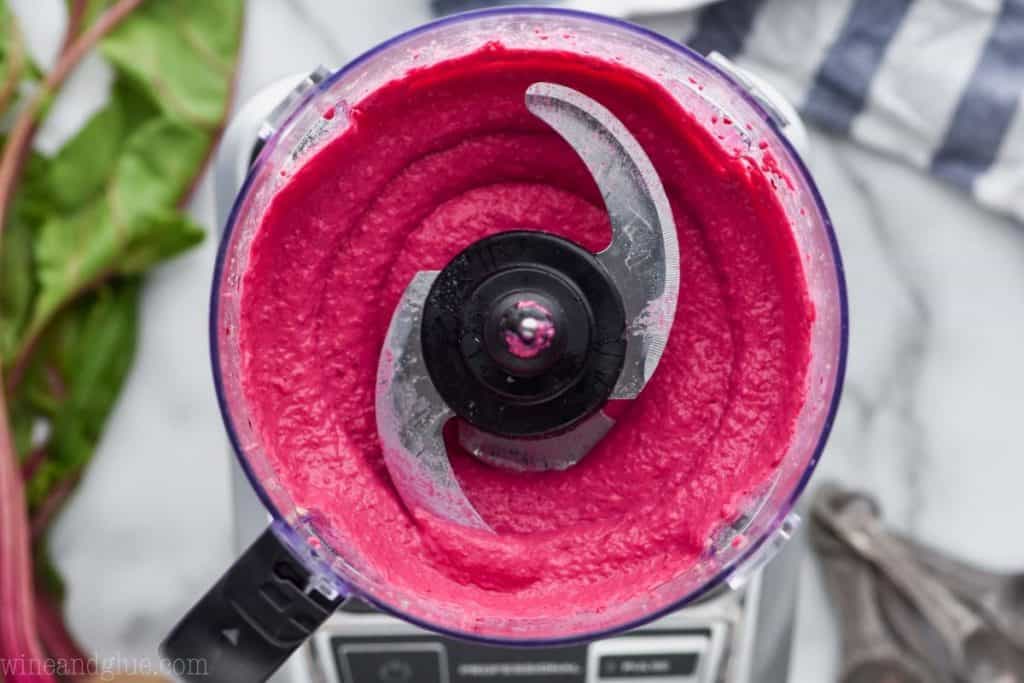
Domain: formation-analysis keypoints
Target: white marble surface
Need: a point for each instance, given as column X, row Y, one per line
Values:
column 930, row 420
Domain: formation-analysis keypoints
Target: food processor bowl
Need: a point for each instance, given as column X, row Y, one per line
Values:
column 319, row 562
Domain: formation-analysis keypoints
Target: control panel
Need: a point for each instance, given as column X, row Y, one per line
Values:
column 364, row 647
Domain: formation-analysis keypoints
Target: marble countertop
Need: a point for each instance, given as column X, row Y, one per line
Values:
column 929, row 422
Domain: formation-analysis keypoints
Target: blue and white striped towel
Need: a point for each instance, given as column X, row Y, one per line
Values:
column 937, row 83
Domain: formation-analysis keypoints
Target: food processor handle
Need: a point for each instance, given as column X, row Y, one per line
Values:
column 259, row 612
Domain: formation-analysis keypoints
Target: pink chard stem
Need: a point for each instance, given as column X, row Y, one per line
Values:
column 59, row 643
column 19, row 640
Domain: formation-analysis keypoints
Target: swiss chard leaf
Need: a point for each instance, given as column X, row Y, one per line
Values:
column 84, row 225
column 13, row 58
column 76, row 375
column 32, row 198
column 23, row 420
column 157, row 168
column 17, row 277
column 6, row 35
column 162, row 234
column 128, row 227
column 182, row 53
column 83, row 165
column 17, row 284
column 136, row 107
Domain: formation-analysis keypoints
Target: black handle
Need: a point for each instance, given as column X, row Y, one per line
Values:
column 250, row 622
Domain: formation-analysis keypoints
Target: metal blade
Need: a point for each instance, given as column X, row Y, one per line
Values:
column 411, row 416
column 643, row 258
column 535, row 455
column 643, row 261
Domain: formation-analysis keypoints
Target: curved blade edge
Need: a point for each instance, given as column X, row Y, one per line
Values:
column 643, row 257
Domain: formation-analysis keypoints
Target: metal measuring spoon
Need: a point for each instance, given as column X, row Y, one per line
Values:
column 913, row 631
column 870, row 650
column 980, row 654
column 997, row 596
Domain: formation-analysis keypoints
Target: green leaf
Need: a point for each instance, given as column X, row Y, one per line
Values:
column 86, row 224
column 157, row 167
column 23, row 419
column 127, row 228
column 76, row 376
column 136, row 107
column 70, row 252
column 91, row 220
column 83, row 165
column 17, row 285
column 182, row 53
column 93, row 351
column 17, row 277
column 31, row 201
column 6, row 34
column 163, row 234
column 74, row 253
column 14, row 60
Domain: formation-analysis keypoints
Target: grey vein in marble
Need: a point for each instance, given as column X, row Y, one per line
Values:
column 911, row 343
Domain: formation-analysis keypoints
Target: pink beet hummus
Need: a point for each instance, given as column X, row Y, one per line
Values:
column 433, row 162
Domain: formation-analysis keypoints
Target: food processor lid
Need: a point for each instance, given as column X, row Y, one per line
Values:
column 525, row 336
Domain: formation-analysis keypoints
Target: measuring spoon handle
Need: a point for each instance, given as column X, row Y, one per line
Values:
column 857, row 524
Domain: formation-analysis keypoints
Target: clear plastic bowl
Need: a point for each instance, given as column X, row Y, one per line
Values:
column 678, row 69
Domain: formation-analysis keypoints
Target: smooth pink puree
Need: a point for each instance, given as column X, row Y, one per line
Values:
column 435, row 161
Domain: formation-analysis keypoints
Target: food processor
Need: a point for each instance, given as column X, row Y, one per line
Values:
column 519, row 303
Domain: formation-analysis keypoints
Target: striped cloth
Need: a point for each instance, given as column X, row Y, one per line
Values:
column 936, row 83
